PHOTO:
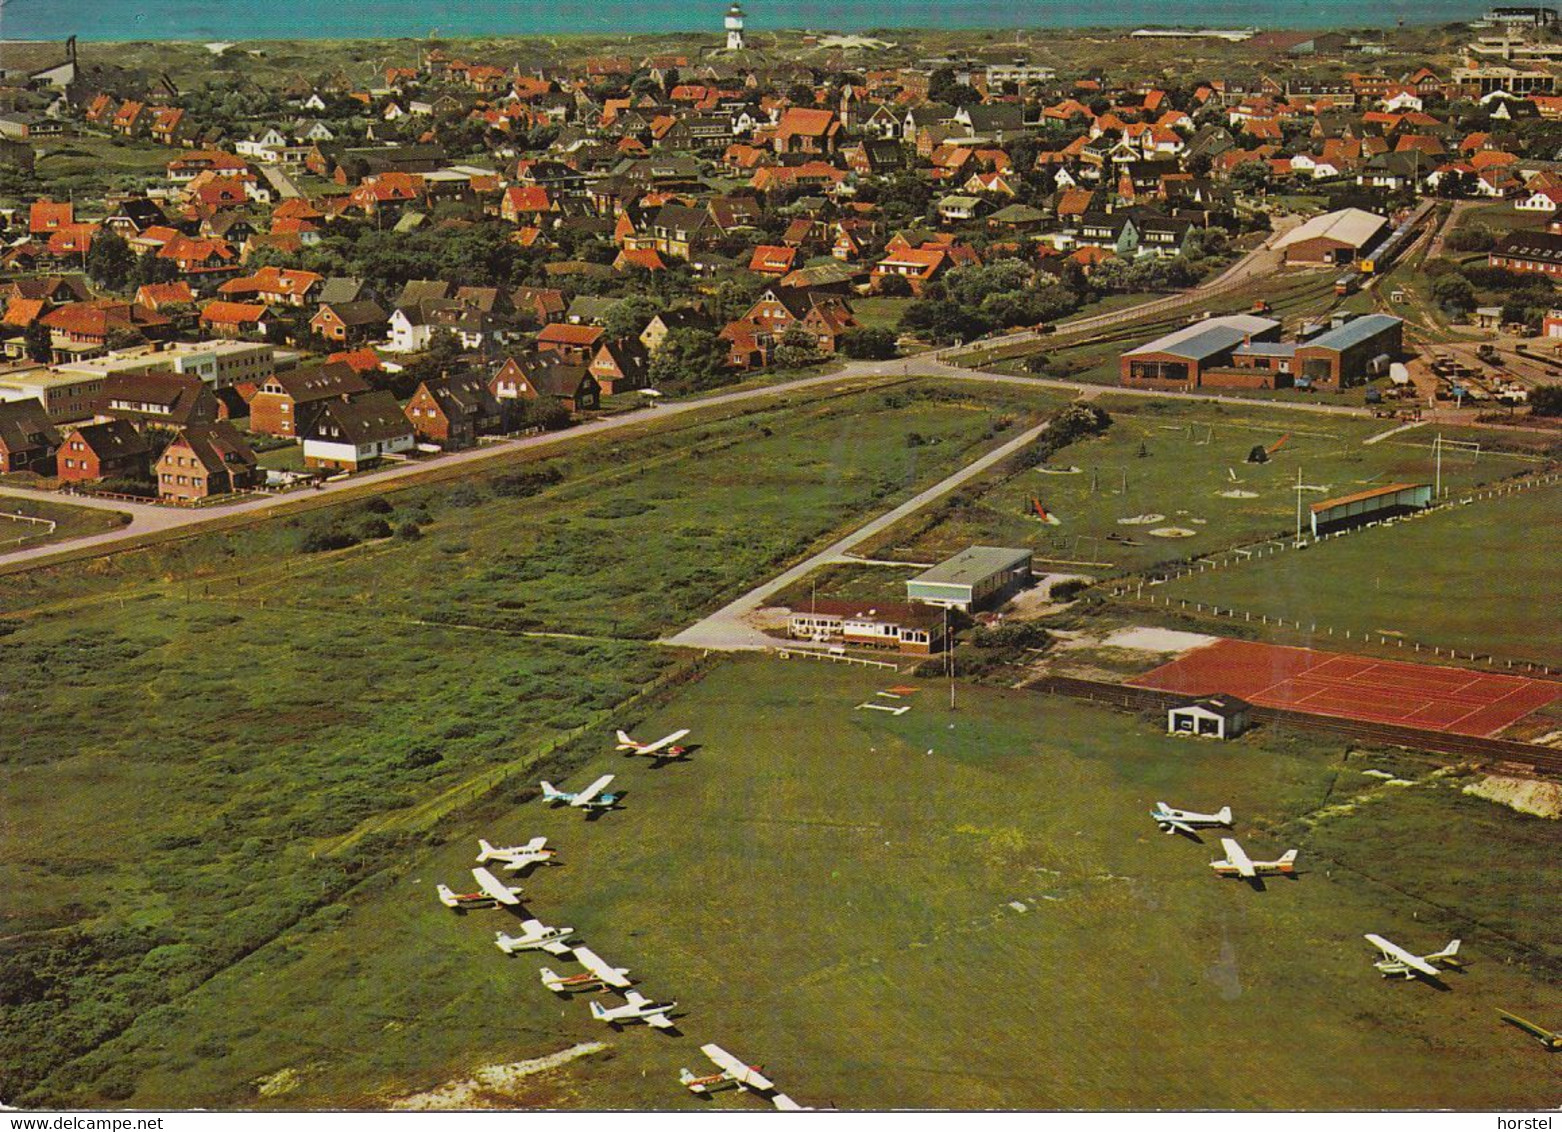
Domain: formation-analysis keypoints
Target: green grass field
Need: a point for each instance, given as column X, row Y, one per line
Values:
column 1177, row 461
column 828, row 891
column 209, row 740
column 17, row 529
column 1475, row 578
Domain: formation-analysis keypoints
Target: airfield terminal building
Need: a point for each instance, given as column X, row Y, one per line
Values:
column 976, row 577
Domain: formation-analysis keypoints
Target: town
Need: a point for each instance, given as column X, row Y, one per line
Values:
column 969, row 439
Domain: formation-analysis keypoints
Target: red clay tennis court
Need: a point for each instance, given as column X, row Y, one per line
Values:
column 1431, row 697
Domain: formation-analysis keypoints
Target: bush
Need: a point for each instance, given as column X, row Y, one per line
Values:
column 868, row 343
column 1475, row 238
column 409, row 532
column 374, row 528
column 317, row 539
column 1012, row 635
column 519, row 485
column 464, row 495
column 377, row 505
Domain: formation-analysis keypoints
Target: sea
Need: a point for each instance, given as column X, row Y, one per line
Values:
column 236, row 20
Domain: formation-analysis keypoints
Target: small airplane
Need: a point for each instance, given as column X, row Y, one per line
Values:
column 591, row 798
column 1548, row 1038
column 733, row 1072
column 516, row 856
column 493, row 893
column 1397, row 961
column 636, row 1008
column 1186, row 821
column 537, row 936
column 1239, row 864
column 596, row 976
column 662, row 748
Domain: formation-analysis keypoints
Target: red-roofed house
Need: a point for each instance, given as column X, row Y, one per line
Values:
column 807, row 131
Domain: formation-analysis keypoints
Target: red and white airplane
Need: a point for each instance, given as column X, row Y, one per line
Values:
column 662, row 748
column 1397, row 961
column 516, row 856
column 733, row 1072
column 493, row 893
column 1239, row 864
column 596, row 976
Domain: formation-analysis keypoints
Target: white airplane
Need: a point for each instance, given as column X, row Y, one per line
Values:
column 1397, row 961
column 537, row 936
column 493, row 893
column 1186, row 821
column 733, row 1072
column 591, row 798
column 516, row 856
column 596, row 976
column 662, row 748
column 636, row 1008
column 1239, row 864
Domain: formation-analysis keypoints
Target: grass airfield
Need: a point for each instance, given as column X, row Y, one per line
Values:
column 827, row 892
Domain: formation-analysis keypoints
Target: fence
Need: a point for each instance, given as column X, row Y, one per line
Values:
column 1236, row 556
column 836, row 658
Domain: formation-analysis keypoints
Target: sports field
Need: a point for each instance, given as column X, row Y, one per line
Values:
column 1477, row 578
column 1430, row 697
column 1171, row 480
column 953, row 909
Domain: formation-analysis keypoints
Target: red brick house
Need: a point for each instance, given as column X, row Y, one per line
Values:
column 108, row 450
column 620, row 365
column 27, row 437
column 350, row 323
column 276, row 286
column 454, row 411
column 82, row 328
column 285, row 403
column 206, row 460
column 807, row 131
column 233, row 319
column 575, row 344
column 170, row 399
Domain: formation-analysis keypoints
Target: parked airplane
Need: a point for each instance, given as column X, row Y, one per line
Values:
column 596, row 976
column 492, row 895
column 591, row 798
column 662, row 748
column 538, row 937
column 1397, row 961
column 636, row 1008
column 516, row 856
column 1239, row 864
column 733, row 1072
column 1186, row 821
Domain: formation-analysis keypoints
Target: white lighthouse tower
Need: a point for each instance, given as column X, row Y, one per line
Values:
column 735, row 27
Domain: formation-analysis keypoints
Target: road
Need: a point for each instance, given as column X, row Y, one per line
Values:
column 149, row 518
column 728, row 627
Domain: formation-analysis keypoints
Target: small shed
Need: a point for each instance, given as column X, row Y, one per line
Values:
column 1218, row 717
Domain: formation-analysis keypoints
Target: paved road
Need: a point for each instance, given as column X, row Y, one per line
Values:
column 728, row 628
column 149, row 518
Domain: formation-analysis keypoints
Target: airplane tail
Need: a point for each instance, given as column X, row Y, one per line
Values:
column 598, row 1012
column 446, row 895
column 1225, row 814
column 625, row 743
column 485, row 851
column 1287, row 860
column 1448, row 952
column 552, row 793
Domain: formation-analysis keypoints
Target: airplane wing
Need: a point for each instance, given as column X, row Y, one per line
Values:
column 599, row 967
column 493, row 887
column 735, row 1069
column 1394, row 951
column 589, row 794
column 664, row 742
column 660, row 1021
column 535, row 845
column 1235, row 854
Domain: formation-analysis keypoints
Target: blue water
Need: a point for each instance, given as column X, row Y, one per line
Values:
column 203, row 20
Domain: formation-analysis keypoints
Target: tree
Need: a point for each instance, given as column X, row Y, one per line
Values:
column 872, row 343
column 691, row 360
column 40, row 343
column 444, row 348
column 1546, row 401
column 942, row 86
column 895, row 286
column 628, row 317
column 110, row 260
column 1454, row 294
column 1251, row 177
column 797, row 348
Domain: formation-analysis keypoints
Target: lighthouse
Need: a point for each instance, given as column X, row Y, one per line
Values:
column 735, row 28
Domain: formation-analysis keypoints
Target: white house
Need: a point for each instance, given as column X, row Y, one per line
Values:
column 348, row 435
column 1218, row 717
column 409, row 334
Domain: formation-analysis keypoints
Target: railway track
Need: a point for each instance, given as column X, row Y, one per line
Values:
column 1506, row 755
